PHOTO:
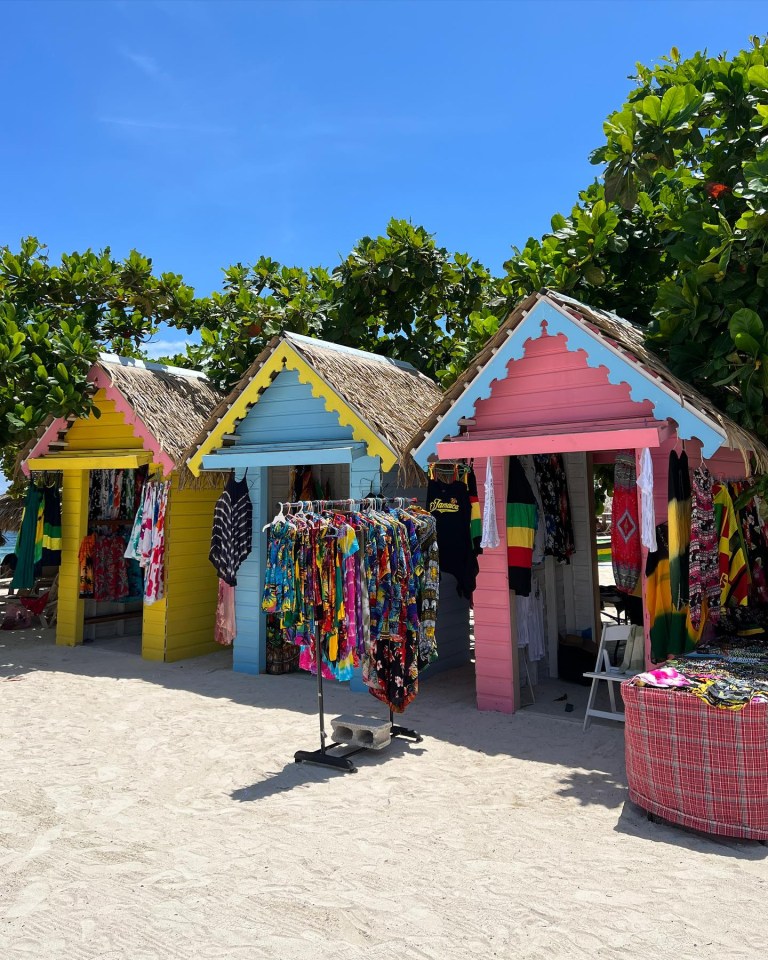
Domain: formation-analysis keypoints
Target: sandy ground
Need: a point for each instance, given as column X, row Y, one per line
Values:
column 152, row 811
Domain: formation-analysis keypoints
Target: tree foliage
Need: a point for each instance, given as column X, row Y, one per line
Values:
column 674, row 236
column 399, row 294
column 55, row 318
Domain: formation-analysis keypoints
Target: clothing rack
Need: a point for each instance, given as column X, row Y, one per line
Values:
column 341, row 761
column 322, row 756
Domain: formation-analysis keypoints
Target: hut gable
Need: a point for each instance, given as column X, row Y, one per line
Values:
column 380, row 400
column 607, row 345
column 148, row 406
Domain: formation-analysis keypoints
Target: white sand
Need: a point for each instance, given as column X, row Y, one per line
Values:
column 153, row 811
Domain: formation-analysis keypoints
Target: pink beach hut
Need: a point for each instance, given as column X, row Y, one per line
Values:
column 561, row 377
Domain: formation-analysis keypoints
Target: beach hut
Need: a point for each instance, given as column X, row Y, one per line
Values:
column 146, row 417
column 348, row 415
column 561, row 378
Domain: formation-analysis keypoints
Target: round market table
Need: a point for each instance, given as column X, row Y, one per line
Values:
column 696, row 765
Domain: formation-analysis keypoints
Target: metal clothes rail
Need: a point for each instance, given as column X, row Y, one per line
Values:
column 323, row 756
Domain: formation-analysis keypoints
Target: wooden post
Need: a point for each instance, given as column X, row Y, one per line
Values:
column 250, row 646
column 643, row 563
column 74, row 526
column 495, row 638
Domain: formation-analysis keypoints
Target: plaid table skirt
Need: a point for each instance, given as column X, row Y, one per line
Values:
column 696, row 765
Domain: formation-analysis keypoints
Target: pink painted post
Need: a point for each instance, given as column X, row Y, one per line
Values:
column 643, row 561
column 494, row 660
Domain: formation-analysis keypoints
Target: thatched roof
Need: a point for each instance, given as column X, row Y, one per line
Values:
column 390, row 396
column 11, row 509
column 614, row 331
column 173, row 403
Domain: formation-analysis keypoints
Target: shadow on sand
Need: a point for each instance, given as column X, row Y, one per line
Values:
column 592, row 763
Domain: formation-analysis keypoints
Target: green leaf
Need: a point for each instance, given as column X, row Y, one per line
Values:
column 594, row 275
column 758, row 76
column 746, row 330
column 673, row 101
column 651, row 107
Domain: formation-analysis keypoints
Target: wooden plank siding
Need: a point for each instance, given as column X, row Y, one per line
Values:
column 107, row 432
column 495, row 658
column 191, row 582
column 287, row 410
column 181, row 624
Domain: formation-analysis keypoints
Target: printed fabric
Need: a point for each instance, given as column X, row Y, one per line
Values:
column 703, row 565
column 149, row 550
column 626, row 551
column 679, row 517
column 232, row 534
column 553, row 489
column 358, row 588
column 114, row 494
column 732, row 561
column 753, row 538
column 225, row 629
column 521, row 528
column 449, row 503
column 103, row 568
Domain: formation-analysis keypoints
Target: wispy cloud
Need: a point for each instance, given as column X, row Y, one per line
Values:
column 165, row 126
column 147, row 65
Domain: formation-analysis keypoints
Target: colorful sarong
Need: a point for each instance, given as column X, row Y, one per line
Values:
column 679, row 527
column 626, row 549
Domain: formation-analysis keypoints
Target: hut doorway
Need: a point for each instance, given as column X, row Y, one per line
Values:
column 111, row 585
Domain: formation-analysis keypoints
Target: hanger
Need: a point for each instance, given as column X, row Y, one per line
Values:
column 280, row 516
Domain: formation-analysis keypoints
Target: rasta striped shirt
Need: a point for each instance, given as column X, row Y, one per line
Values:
column 232, row 535
column 521, row 528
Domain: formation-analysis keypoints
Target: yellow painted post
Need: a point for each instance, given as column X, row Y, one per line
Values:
column 191, row 581
column 74, row 526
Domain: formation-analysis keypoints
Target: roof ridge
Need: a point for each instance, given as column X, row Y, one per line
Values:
column 353, row 351
column 152, row 366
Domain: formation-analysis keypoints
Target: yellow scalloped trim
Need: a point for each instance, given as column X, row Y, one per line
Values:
column 286, row 356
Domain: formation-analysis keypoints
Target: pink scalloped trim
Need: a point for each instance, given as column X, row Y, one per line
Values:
column 101, row 380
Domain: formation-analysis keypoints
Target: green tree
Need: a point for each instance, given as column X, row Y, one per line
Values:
column 55, row 318
column 399, row 294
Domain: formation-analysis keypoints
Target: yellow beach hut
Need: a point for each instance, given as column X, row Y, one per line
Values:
column 148, row 415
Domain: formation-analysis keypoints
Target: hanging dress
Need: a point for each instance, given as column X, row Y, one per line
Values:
column 679, row 516
column 24, row 574
column 703, row 565
column 667, row 624
column 553, row 489
column 490, row 537
column 626, row 549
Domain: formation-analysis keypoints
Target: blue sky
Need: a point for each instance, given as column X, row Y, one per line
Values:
column 205, row 133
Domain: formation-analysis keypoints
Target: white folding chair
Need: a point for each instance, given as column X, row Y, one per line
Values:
column 604, row 670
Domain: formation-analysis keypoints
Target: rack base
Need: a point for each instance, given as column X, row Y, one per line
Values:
column 341, row 761
column 325, row 759
column 398, row 731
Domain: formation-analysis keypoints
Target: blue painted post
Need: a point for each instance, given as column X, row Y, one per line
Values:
column 250, row 647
